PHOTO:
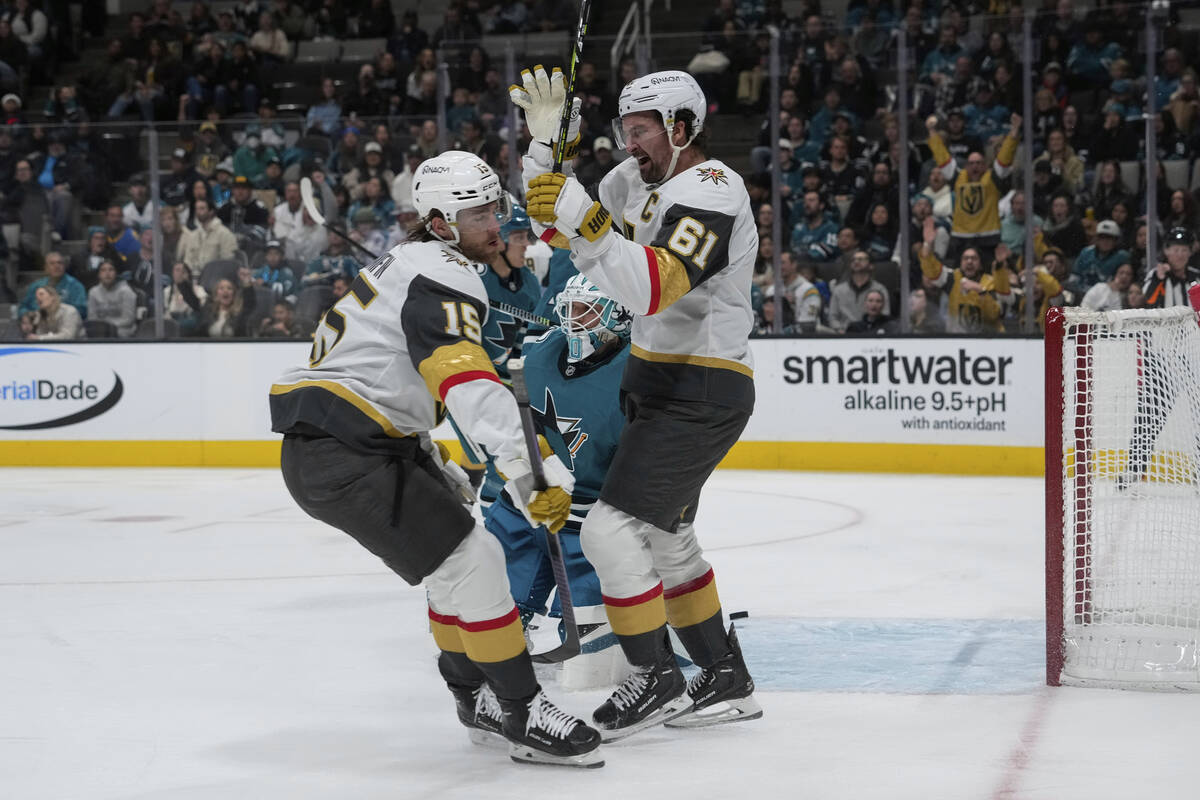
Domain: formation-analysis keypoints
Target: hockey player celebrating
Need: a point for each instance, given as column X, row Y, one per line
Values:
column 683, row 267
column 573, row 374
column 404, row 342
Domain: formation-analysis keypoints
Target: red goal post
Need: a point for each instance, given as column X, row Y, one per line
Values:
column 1122, row 433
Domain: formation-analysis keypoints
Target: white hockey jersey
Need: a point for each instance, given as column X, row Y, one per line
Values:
column 684, row 267
column 403, row 341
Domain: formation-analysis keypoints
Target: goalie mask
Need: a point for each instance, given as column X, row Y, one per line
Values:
column 453, row 181
column 589, row 318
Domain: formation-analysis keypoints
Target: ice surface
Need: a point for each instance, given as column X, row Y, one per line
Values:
column 191, row 634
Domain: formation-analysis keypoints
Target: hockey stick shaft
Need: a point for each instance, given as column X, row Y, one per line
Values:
column 570, row 645
column 585, row 8
column 310, row 205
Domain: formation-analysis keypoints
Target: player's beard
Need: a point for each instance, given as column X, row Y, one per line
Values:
column 484, row 250
column 651, row 173
column 479, row 246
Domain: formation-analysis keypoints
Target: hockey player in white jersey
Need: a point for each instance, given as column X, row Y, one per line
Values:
column 673, row 240
column 401, row 348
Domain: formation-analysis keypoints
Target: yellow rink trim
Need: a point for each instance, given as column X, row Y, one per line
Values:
column 812, row 456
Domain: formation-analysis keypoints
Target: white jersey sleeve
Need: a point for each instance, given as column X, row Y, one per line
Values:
column 402, row 344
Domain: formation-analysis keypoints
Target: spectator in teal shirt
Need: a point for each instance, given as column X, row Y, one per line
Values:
column 940, row 61
column 1089, row 60
column 1098, row 262
column 69, row 289
column 815, row 236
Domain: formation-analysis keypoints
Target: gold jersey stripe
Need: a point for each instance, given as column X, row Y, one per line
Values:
column 447, row 636
column 693, row 607
column 350, row 397
column 450, row 360
column 684, row 358
column 497, row 644
column 640, row 618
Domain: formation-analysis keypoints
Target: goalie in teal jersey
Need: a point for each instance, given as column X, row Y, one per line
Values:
column 574, row 376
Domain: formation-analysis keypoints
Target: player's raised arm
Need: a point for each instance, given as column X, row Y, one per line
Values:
column 659, row 126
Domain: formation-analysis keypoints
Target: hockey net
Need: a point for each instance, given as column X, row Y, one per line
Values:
column 1123, row 498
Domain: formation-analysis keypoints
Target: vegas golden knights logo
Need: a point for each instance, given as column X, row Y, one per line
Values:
column 971, row 197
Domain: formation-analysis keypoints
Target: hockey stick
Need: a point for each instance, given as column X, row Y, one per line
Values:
column 310, row 205
column 585, row 8
column 570, row 645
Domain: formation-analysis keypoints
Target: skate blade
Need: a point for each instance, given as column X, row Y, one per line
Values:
column 672, row 710
column 488, row 739
column 523, row 754
column 740, row 710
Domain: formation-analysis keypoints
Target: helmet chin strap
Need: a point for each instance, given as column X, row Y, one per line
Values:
column 676, row 149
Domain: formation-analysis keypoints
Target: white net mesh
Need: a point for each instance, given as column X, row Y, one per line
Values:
column 1131, row 498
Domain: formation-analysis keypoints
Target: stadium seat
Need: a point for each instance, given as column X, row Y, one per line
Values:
column 1131, row 175
column 360, row 51
column 318, row 51
column 100, row 329
column 265, row 299
column 312, row 301
column 296, row 97
column 145, row 329
column 550, row 45
column 1176, row 173
column 215, row 270
column 829, row 271
column 887, row 273
column 1195, row 185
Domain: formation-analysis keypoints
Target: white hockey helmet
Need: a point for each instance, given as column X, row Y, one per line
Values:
column 668, row 93
column 454, row 180
column 589, row 317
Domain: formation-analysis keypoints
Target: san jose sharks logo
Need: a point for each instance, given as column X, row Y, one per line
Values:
column 714, row 174
column 502, row 342
column 562, row 433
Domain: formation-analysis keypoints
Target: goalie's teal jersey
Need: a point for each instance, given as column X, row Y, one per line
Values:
column 577, row 407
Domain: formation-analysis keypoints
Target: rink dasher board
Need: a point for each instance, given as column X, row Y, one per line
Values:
column 944, row 405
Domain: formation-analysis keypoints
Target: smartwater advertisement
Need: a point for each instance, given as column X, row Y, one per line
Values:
column 920, row 391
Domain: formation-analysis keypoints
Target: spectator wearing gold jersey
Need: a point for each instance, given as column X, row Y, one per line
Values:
column 977, row 190
column 975, row 300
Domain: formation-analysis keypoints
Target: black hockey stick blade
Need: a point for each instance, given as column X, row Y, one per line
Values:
column 570, row 644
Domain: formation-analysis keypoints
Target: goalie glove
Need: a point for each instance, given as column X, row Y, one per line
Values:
column 541, row 97
column 554, row 199
column 549, row 507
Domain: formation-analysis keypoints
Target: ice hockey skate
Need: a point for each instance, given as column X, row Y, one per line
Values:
column 648, row 697
column 539, row 732
column 721, row 693
column 479, row 711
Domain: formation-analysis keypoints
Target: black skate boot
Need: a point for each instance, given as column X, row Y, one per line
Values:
column 539, row 732
column 650, row 696
column 479, row 711
column 723, row 692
